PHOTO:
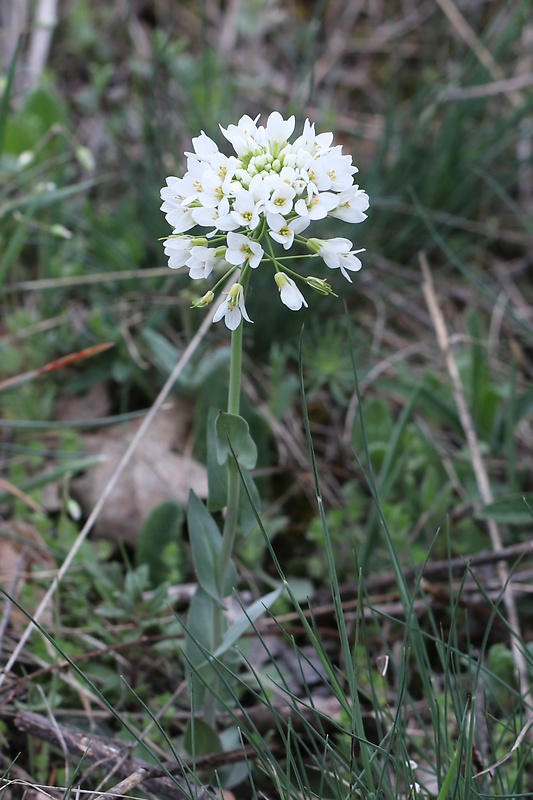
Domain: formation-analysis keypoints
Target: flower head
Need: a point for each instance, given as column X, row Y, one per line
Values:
column 269, row 190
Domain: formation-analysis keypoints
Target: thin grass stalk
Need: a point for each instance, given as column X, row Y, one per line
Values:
column 6, row 97
column 355, row 713
column 85, row 679
column 391, row 457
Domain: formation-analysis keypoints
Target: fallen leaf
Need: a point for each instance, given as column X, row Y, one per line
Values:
column 154, row 474
column 92, row 405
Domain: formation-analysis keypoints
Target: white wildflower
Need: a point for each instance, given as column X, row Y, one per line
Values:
column 242, row 249
column 290, row 295
column 232, row 309
column 269, row 190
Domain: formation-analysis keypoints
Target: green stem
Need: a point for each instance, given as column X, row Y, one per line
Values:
column 235, row 371
column 229, row 532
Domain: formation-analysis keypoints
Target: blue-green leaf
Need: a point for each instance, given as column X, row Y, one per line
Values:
column 516, row 509
column 233, row 434
column 206, row 544
column 200, row 739
column 199, row 638
column 216, row 472
column 160, row 544
column 246, row 619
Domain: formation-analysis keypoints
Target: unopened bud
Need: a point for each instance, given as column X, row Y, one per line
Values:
column 61, row 231
column 319, row 285
column 204, row 301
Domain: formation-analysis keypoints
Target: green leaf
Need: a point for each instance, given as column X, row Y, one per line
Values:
column 206, row 544
column 247, row 512
column 195, row 375
column 516, row 509
column 217, row 481
column 246, row 619
column 523, row 406
column 200, row 739
column 200, row 637
column 233, row 434
column 160, row 544
column 164, row 352
column 216, row 473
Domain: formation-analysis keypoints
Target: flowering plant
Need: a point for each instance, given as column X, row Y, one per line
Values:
column 271, row 190
column 251, row 204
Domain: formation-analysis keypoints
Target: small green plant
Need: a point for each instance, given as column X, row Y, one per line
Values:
column 266, row 194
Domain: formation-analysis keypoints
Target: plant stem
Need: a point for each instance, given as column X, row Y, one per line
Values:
column 229, row 533
column 233, row 478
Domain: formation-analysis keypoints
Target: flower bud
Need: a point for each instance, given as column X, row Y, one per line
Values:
column 204, row 301
column 319, row 285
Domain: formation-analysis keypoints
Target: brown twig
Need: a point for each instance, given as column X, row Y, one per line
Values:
column 80, row 745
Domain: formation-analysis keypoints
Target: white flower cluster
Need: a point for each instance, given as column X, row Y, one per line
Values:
column 271, row 190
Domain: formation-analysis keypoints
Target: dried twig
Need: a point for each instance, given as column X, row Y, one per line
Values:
column 523, row 81
column 81, row 745
column 482, row 53
column 45, row 20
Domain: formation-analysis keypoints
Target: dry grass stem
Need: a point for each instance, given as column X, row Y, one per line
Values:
column 480, row 472
column 84, row 280
column 504, row 86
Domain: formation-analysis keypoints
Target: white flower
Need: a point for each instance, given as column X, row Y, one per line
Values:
column 277, row 131
column 220, row 217
column 332, row 171
column 282, row 231
column 337, row 254
column 316, row 206
column 290, row 295
column 178, row 251
column 202, row 262
column 351, row 205
column 241, row 136
column 330, row 249
column 349, row 261
column 246, row 210
column 175, row 214
column 204, row 147
column 232, row 309
column 241, row 249
column 281, row 199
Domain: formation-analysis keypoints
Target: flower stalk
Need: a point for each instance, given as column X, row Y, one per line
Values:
column 229, row 533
